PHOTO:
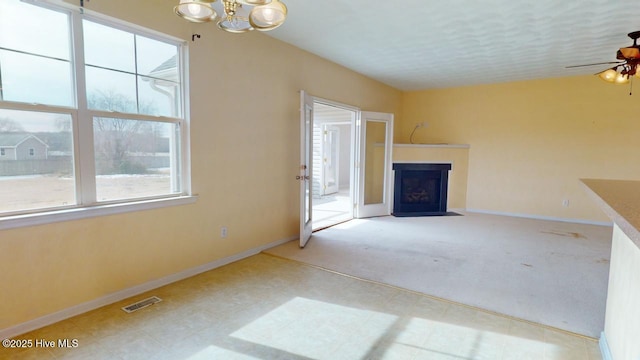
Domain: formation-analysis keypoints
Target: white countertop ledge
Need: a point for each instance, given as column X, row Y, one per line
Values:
column 620, row 200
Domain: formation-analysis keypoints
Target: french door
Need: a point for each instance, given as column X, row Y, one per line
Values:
column 374, row 142
column 306, row 166
column 374, row 171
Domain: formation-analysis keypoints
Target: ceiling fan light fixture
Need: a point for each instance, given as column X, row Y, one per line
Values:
column 198, row 11
column 621, row 78
column 609, row 75
column 268, row 17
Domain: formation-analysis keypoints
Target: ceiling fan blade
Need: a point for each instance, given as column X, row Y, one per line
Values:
column 600, row 63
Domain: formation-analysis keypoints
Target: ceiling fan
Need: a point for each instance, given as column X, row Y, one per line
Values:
column 628, row 66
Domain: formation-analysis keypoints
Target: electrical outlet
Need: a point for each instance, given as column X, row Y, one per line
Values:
column 565, row 202
column 223, row 232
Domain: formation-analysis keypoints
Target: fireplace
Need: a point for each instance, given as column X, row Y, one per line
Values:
column 420, row 189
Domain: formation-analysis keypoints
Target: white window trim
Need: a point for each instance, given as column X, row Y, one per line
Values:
column 84, row 212
column 88, row 206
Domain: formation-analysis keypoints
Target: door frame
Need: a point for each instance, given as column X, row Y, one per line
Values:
column 305, row 169
column 353, row 149
column 334, row 153
column 355, row 170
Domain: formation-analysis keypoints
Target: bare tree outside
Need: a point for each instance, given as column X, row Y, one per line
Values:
column 7, row 125
column 117, row 140
column 63, row 125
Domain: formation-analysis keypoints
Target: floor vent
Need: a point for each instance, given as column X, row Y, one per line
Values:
column 141, row 304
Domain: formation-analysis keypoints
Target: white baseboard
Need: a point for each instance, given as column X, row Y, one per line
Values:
column 132, row 291
column 604, row 348
column 540, row 217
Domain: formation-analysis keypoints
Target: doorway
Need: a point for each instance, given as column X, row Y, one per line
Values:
column 333, row 156
column 323, row 191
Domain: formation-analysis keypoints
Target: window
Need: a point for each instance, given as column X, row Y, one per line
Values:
column 119, row 92
column 35, row 55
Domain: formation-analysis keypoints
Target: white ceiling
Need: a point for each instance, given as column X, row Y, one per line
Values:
column 423, row 44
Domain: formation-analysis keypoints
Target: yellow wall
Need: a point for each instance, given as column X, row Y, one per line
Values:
column 531, row 141
column 245, row 155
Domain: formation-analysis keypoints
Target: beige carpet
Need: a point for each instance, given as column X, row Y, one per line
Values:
column 552, row 273
column 268, row 308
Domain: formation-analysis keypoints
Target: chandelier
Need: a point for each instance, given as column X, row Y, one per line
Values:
column 235, row 16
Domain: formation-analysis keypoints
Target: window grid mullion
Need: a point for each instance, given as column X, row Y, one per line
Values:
column 83, row 129
column 135, row 67
column 130, row 116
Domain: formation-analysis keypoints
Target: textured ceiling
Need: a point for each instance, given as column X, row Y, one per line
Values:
column 423, row 44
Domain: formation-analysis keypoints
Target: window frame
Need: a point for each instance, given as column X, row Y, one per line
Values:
column 83, row 136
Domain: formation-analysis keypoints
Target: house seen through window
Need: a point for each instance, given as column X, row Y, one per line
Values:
column 121, row 84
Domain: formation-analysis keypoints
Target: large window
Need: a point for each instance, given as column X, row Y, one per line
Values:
column 91, row 111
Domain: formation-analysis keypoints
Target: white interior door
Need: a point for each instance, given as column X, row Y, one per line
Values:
column 330, row 159
column 374, row 177
column 306, row 166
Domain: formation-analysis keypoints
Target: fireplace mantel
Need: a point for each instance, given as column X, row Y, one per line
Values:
column 455, row 154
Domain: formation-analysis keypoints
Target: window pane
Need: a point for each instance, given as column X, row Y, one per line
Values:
column 135, row 158
column 33, row 29
column 157, row 59
column 158, row 97
column 111, row 90
column 108, row 47
column 35, row 79
column 36, row 161
column 117, row 59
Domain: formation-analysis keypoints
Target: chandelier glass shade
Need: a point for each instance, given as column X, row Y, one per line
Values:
column 235, row 16
column 269, row 16
column 195, row 10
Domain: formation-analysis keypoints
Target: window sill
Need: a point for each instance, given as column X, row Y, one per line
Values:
column 48, row 217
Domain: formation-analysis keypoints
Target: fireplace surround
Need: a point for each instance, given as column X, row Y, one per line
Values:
column 420, row 189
